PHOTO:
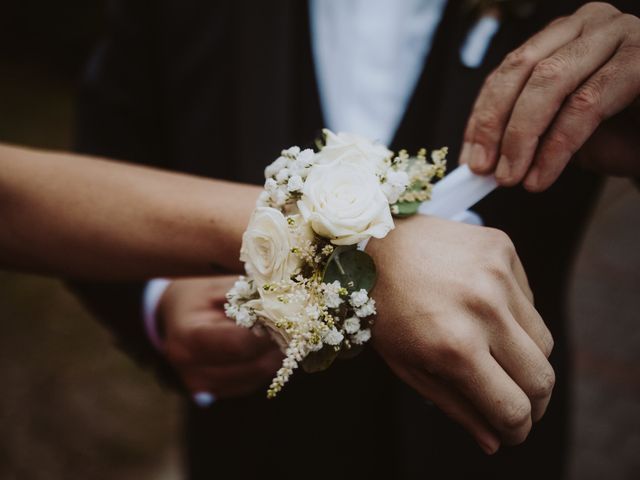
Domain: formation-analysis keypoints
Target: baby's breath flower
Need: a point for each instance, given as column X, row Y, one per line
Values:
column 333, row 337
column 245, row 317
column 367, row 309
column 295, row 183
column 361, row 337
column 327, row 249
column 351, row 325
column 331, row 293
column 282, row 175
column 359, row 298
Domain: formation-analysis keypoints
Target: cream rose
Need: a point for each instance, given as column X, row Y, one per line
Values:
column 266, row 247
column 343, row 202
column 354, row 148
column 272, row 308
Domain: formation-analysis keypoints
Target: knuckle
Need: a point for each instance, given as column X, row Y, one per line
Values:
column 560, row 141
column 548, row 72
column 586, row 101
column 630, row 23
column 516, row 134
column 456, row 347
column 487, row 121
column 516, row 416
column 520, row 58
column 599, row 8
column 548, row 343
column 500, row 242
column 544, row 384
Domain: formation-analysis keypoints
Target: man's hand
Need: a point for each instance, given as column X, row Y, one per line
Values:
column 209, row 351
column 456, row 322
column 548, row 97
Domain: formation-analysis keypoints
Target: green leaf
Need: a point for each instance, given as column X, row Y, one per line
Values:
column 406, row 209
column 349, row 353
column 353, row 268
column 320, row 360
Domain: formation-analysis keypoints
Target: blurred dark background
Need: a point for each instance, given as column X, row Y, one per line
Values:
column 73, row 407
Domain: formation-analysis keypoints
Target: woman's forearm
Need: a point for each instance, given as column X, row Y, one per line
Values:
column 69, row 215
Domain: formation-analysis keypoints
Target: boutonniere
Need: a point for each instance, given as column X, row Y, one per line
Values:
column 508, row 8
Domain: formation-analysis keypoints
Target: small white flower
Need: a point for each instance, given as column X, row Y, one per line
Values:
column 231, row 310
column 313, row 311
column 295, row 183
column 306, row 158
column 395, row 184
column 291, row 151
column 359, row 298
column 270, row 185
column 263, row 199
column 242, row 288
column 278, row 164
column 367, row 309
column 352, row 325
column 332, row 294
column 279, row 197
column 282, row 175
column 245, row 318
column 333, row 337
column 361, row 337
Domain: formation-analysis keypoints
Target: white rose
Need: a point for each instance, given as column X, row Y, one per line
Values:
column 266, row 247
column 344, row 203
column 354, row 148
column 270, row 309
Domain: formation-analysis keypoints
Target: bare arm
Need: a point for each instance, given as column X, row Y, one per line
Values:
column 68, row 215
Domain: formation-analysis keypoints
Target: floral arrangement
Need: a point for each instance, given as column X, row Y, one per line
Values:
column 308, row 279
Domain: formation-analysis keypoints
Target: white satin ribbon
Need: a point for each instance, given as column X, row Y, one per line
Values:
column 457, row 192
column 452, row 197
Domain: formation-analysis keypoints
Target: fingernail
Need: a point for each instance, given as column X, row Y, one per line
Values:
column 204, row 399
column 478, row 158
column 489, row 445
column 503, row 172
column 465, row 153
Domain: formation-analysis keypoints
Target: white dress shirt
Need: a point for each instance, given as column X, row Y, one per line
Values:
column 368, row 57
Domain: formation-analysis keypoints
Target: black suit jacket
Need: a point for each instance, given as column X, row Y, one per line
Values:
column 218, row 89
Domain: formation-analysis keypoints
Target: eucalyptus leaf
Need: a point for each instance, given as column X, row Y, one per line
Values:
column 349, row 353
column 320, row 360
column 406, row 209
column 353, row 268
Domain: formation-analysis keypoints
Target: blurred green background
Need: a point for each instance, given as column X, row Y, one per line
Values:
column 73, row 407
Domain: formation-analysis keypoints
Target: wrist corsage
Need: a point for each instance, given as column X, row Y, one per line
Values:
column 307, row 281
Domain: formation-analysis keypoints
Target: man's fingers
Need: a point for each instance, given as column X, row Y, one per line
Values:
column 235, row 379
column 526, row 364
column 468, row 365
column 224, row 342
column 615, row 86
column 521, row 278
column 498, row 95
column 458, row 408
column 551, row 82
column 531, row 322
